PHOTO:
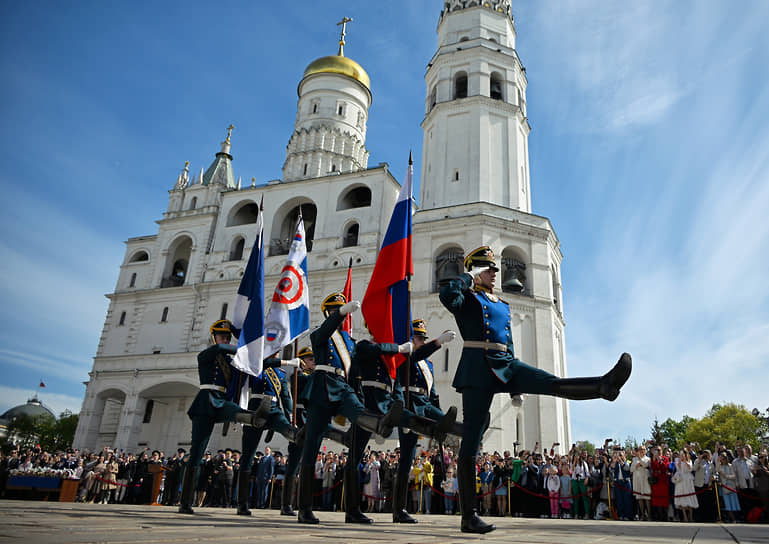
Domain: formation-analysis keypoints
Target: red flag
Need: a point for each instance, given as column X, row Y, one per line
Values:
column 386, row 304
column 41, row 384
column 347, row 292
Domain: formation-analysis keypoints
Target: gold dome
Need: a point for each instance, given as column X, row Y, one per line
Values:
column 337, row 64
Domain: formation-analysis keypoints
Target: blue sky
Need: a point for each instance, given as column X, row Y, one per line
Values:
column 649, row 154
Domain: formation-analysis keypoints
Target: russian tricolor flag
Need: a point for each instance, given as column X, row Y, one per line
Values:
column 248, row 310
column 386, row 306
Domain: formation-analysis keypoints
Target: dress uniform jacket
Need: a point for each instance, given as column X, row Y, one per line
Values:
column 331, row 348
column 370, row 373
column 420, row 376
column 214, row 369
column 273, row 383
column 484, row 317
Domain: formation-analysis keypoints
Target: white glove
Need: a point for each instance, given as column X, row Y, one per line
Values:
column 446, row 336
column 475, row 272
column 291, row 362
column 517, row 400
column 350, row 307
column 405, row 348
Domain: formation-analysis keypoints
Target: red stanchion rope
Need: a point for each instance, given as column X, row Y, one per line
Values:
column 751, row 497
column 328, row 489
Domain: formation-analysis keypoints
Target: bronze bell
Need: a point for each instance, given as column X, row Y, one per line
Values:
column 512, row 285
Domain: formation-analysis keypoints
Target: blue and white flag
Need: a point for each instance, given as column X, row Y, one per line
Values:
column 289, row 314
column 248, row 310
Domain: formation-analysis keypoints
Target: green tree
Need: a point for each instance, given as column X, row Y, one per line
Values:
column 674, row 432
column 52, row 434
column 58, row 435
column 656, row 432
column 730, row 424
column 586, row 445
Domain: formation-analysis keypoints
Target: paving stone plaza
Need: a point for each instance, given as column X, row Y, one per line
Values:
column 39, row 522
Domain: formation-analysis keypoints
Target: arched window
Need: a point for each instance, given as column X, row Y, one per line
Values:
column 514, row 272
column 139, row 256
column 284, row 228
column 448, row 265
column 460, row 85
column 122, row 319
column 132, row 283
column 433, row 97
column 305, row 169
column 358, row 197
column 351, row 236
column 236, row 251
column 164, row 316
column 556, row 287
column 244, row 215
column 495, row 87
column 148, row 411
column 179, row 253
column 193, row 202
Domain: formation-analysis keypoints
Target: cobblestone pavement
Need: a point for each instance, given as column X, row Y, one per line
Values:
column 65, row 523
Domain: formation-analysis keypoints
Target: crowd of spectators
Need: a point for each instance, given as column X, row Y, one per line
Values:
column 648, row 482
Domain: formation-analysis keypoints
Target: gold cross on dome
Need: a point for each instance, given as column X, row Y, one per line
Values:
column 343, row 22
column 229, row 132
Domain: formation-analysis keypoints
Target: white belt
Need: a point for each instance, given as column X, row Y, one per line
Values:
column 299, row 406
column 219, row 388
column 479, row 344
column 331, row 369
column 374, row 383
column 420, row 390
column 262, row 396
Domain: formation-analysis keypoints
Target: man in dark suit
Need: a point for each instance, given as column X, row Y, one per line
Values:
column 488, row 366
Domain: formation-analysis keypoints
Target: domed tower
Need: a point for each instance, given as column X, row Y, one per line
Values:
column 330, row 130
column 475, row 126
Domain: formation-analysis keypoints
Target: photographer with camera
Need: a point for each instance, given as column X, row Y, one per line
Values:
column 619, row 469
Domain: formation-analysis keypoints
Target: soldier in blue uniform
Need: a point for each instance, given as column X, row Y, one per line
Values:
column 370, row 376
column 488, row 366
column 265, row 389
column 306, row 366
column 417, row 380
column 327, row 394
column 211, row 405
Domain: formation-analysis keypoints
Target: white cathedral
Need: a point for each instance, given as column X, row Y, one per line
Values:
column 475, row 190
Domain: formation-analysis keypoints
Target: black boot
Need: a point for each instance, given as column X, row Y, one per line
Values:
column 339, row 436
column 436, row 430
column 471, row 522
column 400, row 493
column 286, row 495
column 244, row 492
column 257, row 418
column 292, row 434
column 352, row 513
column 603, row 387
column 382, row 425
column 306, row 476
column 188, row 489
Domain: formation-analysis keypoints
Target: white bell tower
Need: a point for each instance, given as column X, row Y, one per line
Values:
column 475, row 127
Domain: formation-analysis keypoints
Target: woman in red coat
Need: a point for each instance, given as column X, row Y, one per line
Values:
column 660, row 481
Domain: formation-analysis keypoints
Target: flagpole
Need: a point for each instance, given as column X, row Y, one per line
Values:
column 408, row 305
column 296, row 383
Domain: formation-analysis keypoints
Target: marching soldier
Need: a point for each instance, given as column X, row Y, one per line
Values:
column 211, row 405
column 327, row 394
column 488, row 366
column 379, row 392
column 417, row 380
column 265, row 390
column 306, row 366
